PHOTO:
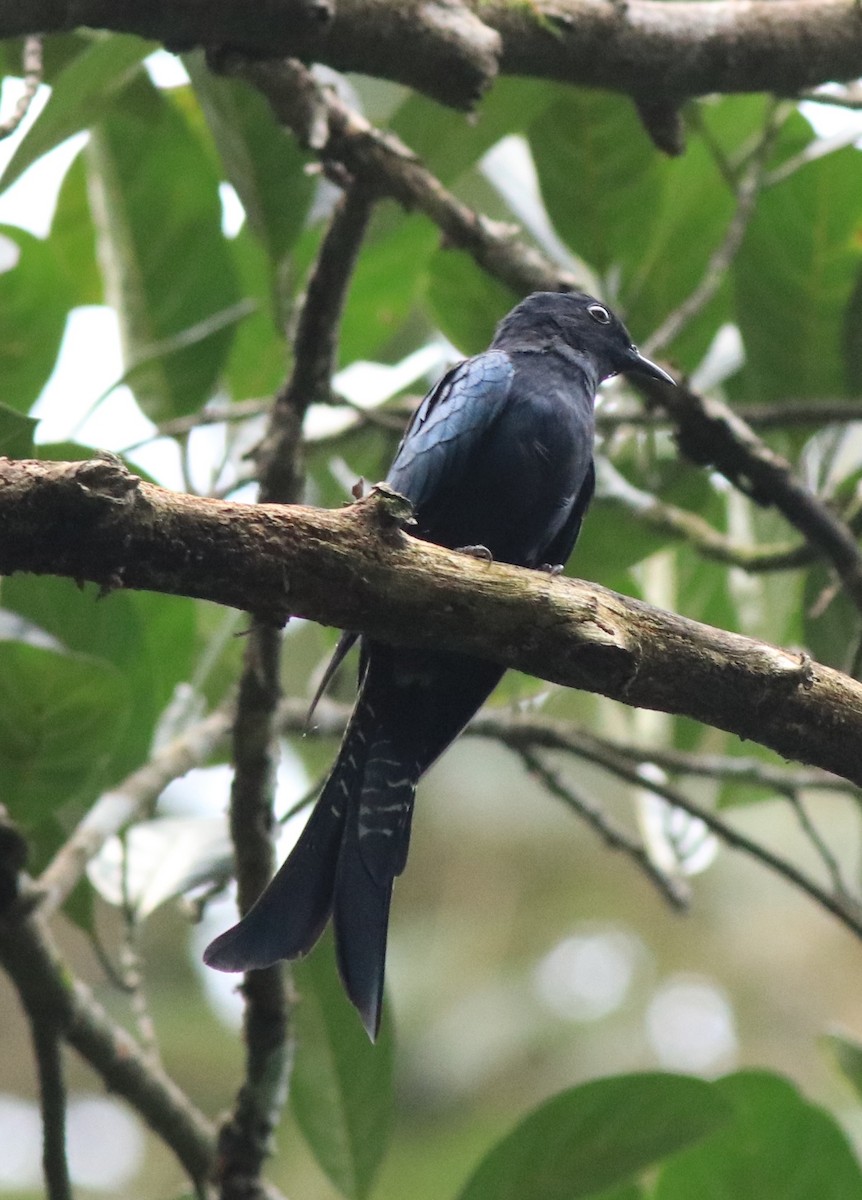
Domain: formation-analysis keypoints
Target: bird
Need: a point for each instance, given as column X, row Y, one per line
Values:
column 497, row 460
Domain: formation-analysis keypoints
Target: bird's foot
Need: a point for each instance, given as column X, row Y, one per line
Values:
column 480, row 552
column 552, row 569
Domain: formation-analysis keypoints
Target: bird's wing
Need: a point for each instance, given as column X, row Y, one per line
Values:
column 557, row 553
column 448, row 425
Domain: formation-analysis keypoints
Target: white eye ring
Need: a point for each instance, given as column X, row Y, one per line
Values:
column 599, row 314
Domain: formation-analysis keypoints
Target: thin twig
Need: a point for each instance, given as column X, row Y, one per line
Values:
column 679, row 523
column 847, row 909
column 330, row 720
column 33, row 69
column 850, row 96
column 818, row 148
column 830, row 862
column 784, row 414
column 244, row 1138
column 709, row 433
column 47, row 985
column 131, row 800
column 674, row 890
column 52, row 1100
column 747, row 190
column 133, row 981
column 325, row 124
column 550, row 734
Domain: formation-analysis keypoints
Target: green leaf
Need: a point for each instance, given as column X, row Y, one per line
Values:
column 830, row 619
column 34, row 300
column 168, row 270
column 795, row 278
column 342, row 1084
column 852, row 337
column 16, row 433
column 598, row 1136
column 73, row 238
column 389, row 278
column 847, row 1052
column 449, row 142
column 60, row 716
column 466, row 302
column 261, row 159
column 147, row 638
column 81, row 93
column 58, row 50
column 601, row 179
column 690, row 222
column 256, row 366
column 80, row 905
column 777, row 1147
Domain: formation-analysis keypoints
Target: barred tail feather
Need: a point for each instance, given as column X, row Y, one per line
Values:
column 373, row 852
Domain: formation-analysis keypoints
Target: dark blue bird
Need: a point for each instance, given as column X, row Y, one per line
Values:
column 498, row 456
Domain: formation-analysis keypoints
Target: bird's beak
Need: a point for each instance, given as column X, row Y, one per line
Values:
column 644, row 366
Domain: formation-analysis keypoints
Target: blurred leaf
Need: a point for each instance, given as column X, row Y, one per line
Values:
column 852, row 337
column 16, row 433
column 137, row 374
column 341, row 1089
column 449, row 142
column 34, row 301
column 73, row 237
column 466, row 302
column 81, row 93
column 601, row 179
column 258, row 356
column 795, row 276
column 847, row 1052
column 829, row 618
column 158, row 860
column 389, row 278
column 58, row 49
column 147, row 637
column 80, row 906
column 690, row 222
column 262, row 160
column 365, row 454
column 597, row 1136
column 777, row 1147
column 60, row 716
column 168, row 271
column 612, row 540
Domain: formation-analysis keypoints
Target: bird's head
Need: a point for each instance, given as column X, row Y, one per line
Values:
column 583, row 325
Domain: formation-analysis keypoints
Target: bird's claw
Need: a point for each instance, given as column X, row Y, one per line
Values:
column 552, row 569
column 480, row 552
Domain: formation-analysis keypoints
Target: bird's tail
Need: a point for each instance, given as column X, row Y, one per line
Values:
column 344, row 864
column 291, row 913
column 373, row 852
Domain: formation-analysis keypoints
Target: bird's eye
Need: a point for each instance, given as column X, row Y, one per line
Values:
column 599, row 314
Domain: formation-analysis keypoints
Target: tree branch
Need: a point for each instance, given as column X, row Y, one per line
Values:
column 355, row 569
column 324, row 123
column 245, row 1137
column 46, row 984
column 653, row 50
column 615, row 837
column 709, row 433
column 32, row 67
column 130, row 801
column 52, row 1097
